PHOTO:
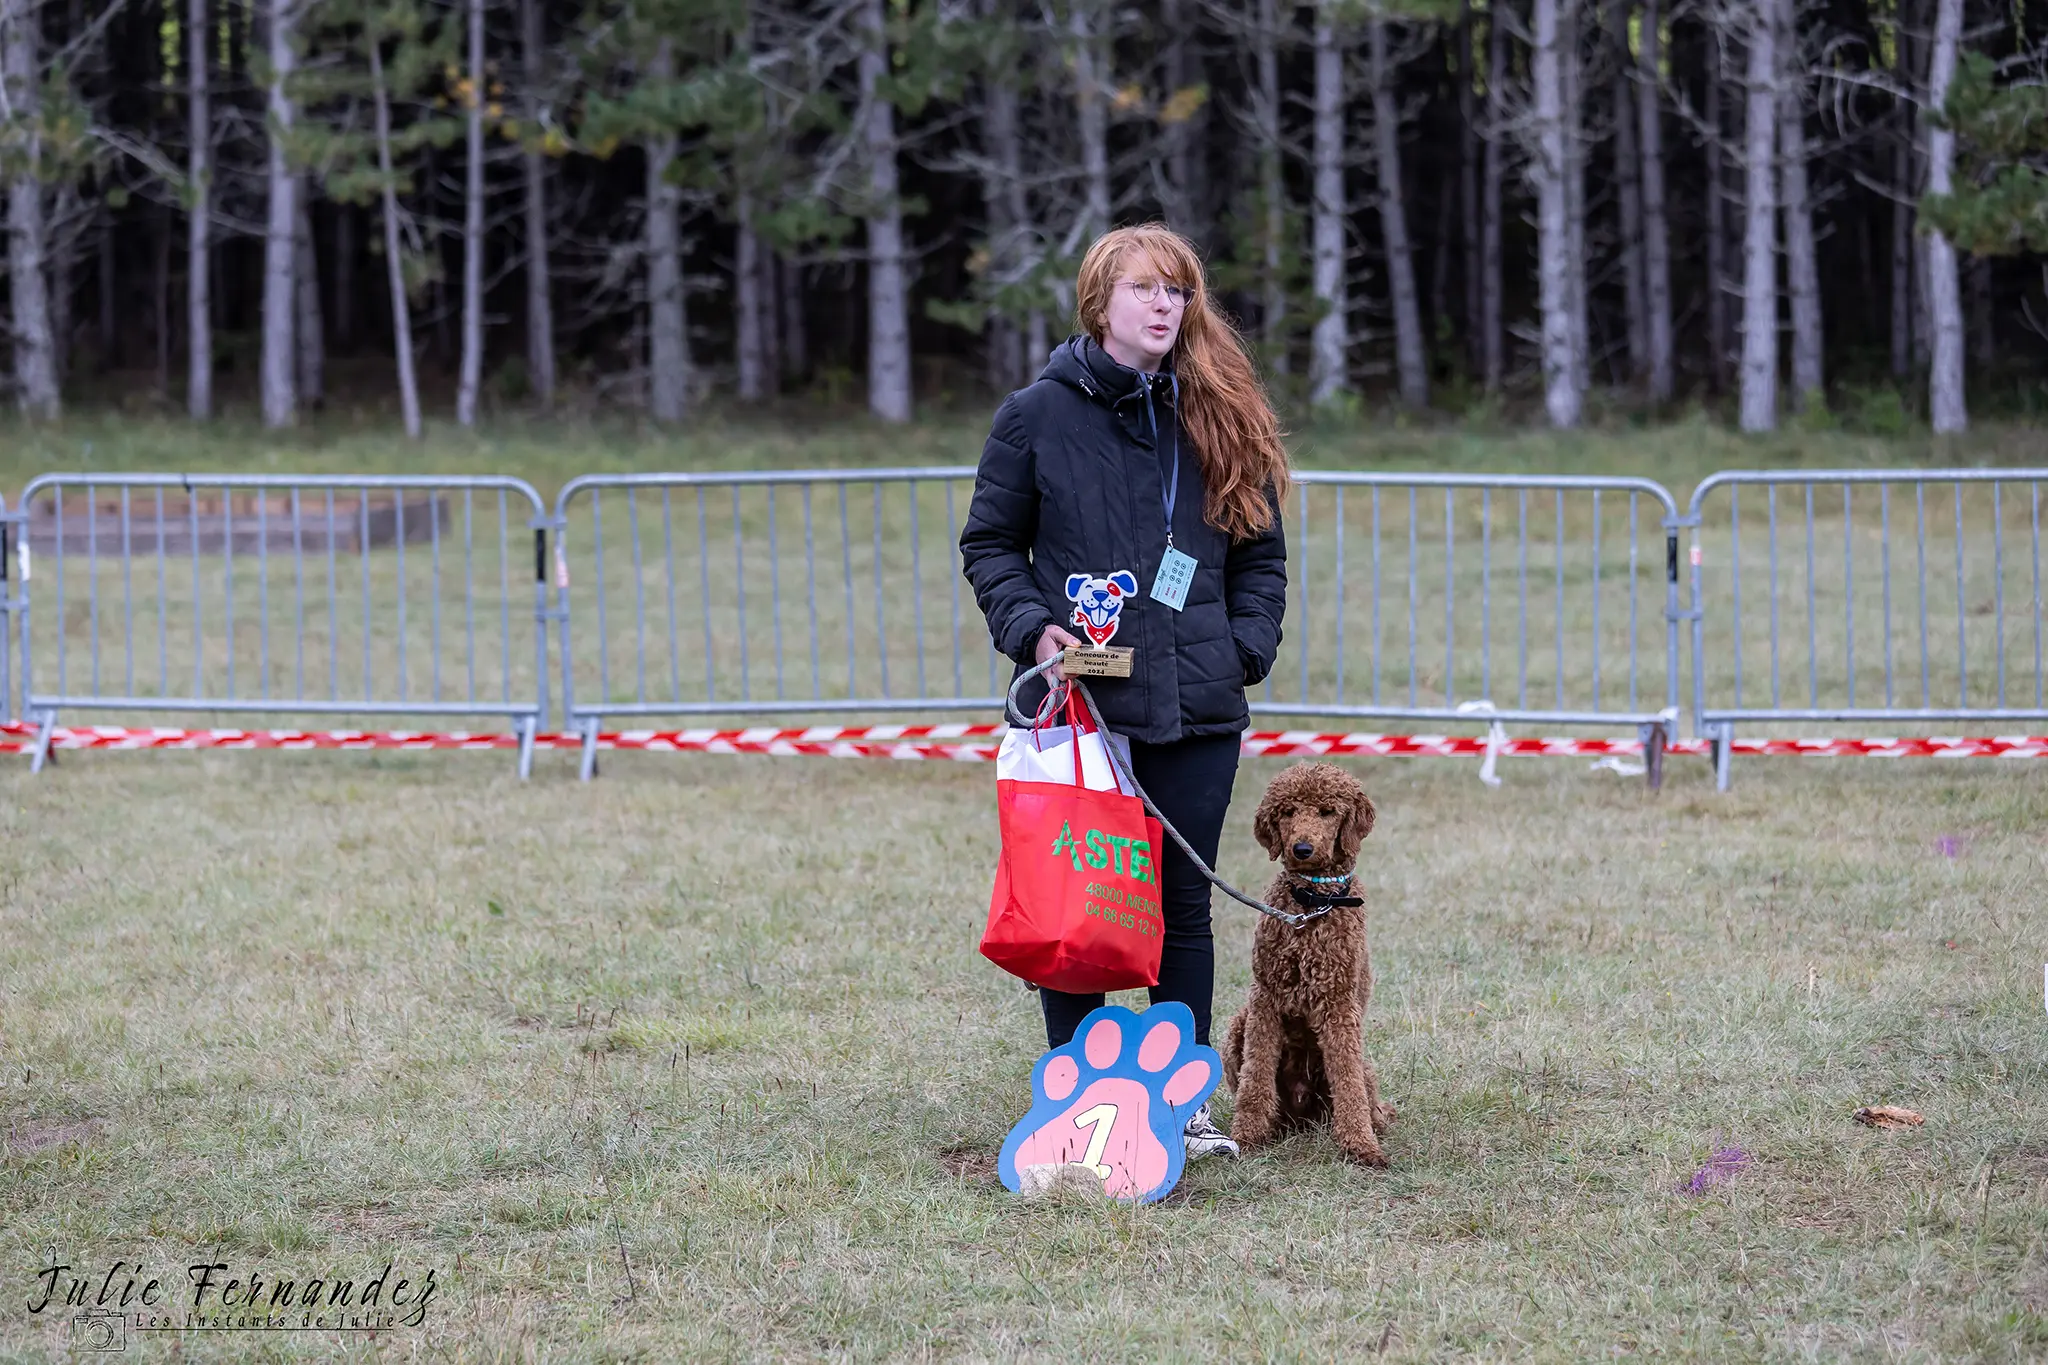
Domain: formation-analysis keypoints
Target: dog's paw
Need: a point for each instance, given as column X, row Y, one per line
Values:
column 1360, row 1144
column 1367, row 1153
column 1251, row 1129
column 1383, row 1117
column 1114, row 1102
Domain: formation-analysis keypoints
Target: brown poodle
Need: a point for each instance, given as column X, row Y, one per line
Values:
column 1295, row 1054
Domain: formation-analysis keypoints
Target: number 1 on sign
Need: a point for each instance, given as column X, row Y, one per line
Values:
column 1102, row 1118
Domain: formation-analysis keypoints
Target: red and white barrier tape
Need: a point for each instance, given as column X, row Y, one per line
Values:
column 977, row 743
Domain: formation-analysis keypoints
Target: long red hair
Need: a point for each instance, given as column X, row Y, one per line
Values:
column 1223, row 406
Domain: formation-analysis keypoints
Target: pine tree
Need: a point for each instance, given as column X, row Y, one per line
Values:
column 393, row 56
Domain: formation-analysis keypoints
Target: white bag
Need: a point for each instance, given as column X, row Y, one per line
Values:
column 1047, row 755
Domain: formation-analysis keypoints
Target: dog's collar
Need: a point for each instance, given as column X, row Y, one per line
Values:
column 1318, row 901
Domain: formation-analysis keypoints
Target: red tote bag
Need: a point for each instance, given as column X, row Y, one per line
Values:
column 1076, row 903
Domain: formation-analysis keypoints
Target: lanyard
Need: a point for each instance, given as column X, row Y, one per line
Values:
column 1171, row 485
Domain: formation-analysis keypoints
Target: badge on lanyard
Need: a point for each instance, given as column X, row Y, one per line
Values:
column 1176, row 570
column 1176, row 573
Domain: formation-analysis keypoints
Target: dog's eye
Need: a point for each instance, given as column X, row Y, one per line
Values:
column 1327, row 813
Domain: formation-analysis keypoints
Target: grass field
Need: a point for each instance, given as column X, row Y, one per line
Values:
column 660, row 1068
column 699, row 1062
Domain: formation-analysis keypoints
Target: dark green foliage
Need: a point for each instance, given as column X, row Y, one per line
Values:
column 2000, row 203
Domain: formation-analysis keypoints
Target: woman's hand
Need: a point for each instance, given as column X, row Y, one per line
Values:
column 1050, row 643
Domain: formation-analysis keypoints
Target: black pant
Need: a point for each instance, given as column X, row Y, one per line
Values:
column 1190, row 783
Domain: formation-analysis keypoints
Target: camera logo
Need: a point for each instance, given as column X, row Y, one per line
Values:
column 100, row 1329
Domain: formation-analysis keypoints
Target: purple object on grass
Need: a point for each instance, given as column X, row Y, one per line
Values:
column 1948, row 846
column 1721, row 1167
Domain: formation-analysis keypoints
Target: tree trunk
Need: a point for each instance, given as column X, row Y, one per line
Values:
column 280, row 241
column 1760, row 241
column 1945, row 399
column 1272, row 187
column 1571, row 70
column 1438, row 318
column 1802, row 269
column 308, row 334
column 668, row 353
column 35, row 369
column 1177, row 196
column 1902, row 249
column 1923, row 326
column 764, row 301
column 1493, row 338
column 343, row 294
column 1410, row 361
column 1003, row 193
column 1468, row 190
column 1330, row 339
column 746, row 279
column 473, row 227
column 748, row 305
column 394, row 252
column 1093, row 117
column 1717, row 222
column 888, row 305
column 1628, row 194
column 110, row 336
column 161, row 283
column 796, row 362
column 199, row 223
column 1561, row 394
column 1656, row 229
column 62, row 251
column 540, row 313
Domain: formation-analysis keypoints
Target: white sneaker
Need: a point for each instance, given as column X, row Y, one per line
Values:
column 1204, row 1138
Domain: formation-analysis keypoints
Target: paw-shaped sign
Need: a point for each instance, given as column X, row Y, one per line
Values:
column 1114, row 1102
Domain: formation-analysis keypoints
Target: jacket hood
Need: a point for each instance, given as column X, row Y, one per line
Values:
column 1080, row 363
column 1137, row 399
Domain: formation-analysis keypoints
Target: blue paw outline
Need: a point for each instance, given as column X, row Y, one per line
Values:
column 1115, row 1101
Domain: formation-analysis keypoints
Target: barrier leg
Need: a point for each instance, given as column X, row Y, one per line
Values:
column 46, row 725
column 589, row 727
column 1655, row 737
column 525, row 726
column 1724, row 753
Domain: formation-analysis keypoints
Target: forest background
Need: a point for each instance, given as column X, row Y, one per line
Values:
column 1776, row 209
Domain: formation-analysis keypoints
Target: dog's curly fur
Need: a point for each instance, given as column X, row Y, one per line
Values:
column 1295, row 1054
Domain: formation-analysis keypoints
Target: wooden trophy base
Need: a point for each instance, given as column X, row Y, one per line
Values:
column 1110, row 661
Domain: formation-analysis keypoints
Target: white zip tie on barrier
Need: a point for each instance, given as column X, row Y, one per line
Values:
column 1496, row 739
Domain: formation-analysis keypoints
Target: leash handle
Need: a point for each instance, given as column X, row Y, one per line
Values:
column 1076, row 686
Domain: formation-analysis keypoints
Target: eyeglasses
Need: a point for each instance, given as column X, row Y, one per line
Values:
column 1146, row 291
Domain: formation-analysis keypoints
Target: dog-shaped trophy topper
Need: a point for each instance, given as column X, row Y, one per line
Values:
column 1099, row 603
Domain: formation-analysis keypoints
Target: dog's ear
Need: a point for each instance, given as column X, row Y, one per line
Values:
column 1075, row 582
column 1266, row 824
column 1358, row 823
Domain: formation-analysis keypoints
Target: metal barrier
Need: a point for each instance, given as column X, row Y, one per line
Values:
column 9, row 606
column 1456, row 599
column 767, row 578
column 1513, row 599
column 738, row 591
column 394, row 597
column 1960, row 600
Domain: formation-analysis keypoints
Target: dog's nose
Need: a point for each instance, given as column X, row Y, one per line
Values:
column 1303, row 848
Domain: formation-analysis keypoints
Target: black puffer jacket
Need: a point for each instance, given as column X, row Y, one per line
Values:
column 1073, row 481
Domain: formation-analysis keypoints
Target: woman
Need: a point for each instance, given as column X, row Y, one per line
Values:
column 1147, row 443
